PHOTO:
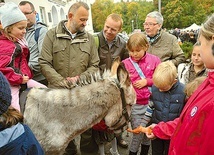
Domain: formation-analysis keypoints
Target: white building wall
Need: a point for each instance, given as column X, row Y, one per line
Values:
column 51, row 12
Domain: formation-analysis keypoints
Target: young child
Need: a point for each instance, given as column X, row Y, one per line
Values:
column 141, row 66
column 168, row 100
column 16, row 137
column 193, row 85
column 189, row 71
column 14, row 52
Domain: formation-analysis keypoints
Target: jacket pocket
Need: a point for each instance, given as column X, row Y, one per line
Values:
column 85, row 49
column 59, row 56
column 85, row 56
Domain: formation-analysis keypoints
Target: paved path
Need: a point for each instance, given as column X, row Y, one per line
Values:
column 121, row 150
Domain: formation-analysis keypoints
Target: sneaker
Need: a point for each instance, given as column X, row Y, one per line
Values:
column 114, row 153
column 122, row 143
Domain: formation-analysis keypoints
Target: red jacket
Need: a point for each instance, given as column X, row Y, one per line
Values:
column 14, row 61
column 193, row 132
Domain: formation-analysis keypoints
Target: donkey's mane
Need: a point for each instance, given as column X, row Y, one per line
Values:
column 86, row 80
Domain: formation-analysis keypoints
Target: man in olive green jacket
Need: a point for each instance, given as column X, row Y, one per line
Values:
column 68, row 52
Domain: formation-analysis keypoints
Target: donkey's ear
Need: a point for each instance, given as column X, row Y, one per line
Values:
column 117, row 59
column 123, row 75
column 115, row 65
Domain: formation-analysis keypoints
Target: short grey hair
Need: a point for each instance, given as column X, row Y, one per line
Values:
column 157, row 15
column 76, row 6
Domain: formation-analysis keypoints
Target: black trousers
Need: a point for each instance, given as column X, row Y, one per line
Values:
column 87, row 144
column 160, row 147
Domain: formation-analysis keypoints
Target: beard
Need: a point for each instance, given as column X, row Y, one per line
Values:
column 77, row 28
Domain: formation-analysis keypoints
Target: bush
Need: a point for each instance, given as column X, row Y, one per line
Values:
column 187, row 49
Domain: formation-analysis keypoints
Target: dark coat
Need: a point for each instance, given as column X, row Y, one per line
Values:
column 107, row 55
column 25, row 144
column 168, row 105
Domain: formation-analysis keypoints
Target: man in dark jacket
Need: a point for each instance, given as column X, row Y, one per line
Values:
column 111, row 45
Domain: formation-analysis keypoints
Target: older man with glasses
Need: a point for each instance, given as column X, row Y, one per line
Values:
column 162, row 44
column 35, row 34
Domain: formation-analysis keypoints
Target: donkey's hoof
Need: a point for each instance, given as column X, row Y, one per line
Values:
column 114, row 153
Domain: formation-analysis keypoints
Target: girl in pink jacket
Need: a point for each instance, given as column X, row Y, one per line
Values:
column 141, row 66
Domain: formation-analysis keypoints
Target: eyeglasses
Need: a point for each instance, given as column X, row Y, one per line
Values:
column 149, row 24
column 27, row 13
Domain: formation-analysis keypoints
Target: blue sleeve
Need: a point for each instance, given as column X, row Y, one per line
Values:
column 32, row 145
column 148, row 114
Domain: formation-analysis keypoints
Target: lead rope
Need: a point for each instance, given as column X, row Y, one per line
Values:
column 124, row 110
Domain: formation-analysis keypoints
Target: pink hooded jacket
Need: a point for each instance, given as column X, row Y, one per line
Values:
column 147, row 64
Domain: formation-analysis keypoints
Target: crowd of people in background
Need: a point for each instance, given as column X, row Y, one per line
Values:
column 185, row 35
column 33, row 56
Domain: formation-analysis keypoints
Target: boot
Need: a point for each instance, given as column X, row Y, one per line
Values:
column 132, row 153
column 144, row 149
column 114, row 153
column 121, row 142
column 71, row 149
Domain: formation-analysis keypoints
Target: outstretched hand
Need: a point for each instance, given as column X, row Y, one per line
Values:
column 151, row 135
column 141, row 129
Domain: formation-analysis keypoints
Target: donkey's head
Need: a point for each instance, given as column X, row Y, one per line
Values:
column 118, row 115
column 118, row 70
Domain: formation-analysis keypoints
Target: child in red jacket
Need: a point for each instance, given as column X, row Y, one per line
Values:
column 14, row 52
